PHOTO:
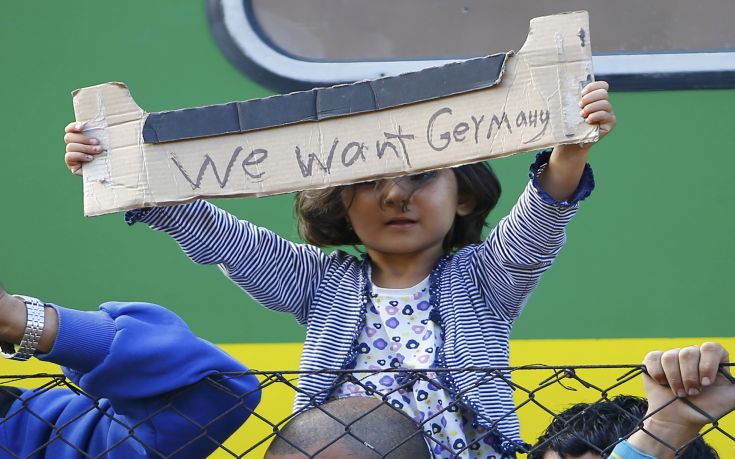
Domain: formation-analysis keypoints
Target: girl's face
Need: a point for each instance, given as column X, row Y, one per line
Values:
column 396, row 217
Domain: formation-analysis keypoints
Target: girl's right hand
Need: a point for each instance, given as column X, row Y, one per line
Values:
column 80, row 149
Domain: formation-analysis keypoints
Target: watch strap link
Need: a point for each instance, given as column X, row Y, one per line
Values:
column 35, row 313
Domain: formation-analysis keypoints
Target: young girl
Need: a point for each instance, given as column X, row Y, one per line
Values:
column 427, row 294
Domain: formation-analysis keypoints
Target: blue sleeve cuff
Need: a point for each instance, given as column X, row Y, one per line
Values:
column 584, row 189
column 624, row 450
column 83, row 340
column 136, row 215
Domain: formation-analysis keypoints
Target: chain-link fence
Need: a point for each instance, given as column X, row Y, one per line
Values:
column 542, row 396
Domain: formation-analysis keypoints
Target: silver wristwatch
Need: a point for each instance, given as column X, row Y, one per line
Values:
column 32, row 333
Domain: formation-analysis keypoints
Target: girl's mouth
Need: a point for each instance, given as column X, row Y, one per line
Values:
column 401, row 223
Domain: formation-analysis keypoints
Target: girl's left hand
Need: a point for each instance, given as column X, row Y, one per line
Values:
column 596, row 108
column 566, row 164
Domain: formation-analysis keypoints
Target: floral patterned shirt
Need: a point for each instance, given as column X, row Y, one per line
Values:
column 400, row 334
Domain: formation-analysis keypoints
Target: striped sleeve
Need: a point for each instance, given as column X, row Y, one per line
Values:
column 279, row 274
column 521, row 247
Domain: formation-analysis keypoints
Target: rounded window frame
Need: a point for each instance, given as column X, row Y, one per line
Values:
column 245, row 45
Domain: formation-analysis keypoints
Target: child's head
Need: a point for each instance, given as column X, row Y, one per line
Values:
column 355, row 427
column 324, row 215
column 587, row 429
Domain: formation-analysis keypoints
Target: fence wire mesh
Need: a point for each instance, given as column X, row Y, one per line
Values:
column 542, row 396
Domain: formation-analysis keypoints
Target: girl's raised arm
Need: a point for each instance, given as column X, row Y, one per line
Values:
column 562, row 174
column 509, row 264
column 279, row 274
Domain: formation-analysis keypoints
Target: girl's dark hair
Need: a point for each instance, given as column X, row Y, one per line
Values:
column 322, row 216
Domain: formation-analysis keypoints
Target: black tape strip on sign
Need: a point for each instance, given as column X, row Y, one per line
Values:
column 323, row 103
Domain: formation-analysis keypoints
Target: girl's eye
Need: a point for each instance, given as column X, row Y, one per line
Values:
column 370, row 184
column 424, row 176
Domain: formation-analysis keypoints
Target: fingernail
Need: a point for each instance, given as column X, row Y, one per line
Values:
column 581, row 113
column 94, row 141
column 89, row 157
column 581, row 104
column 681, row 393
column 79, row 126
column 693, row 391
column 706, row 381
column 97, row 148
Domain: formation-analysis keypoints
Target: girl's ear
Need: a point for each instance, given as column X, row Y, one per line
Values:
column 465, row 206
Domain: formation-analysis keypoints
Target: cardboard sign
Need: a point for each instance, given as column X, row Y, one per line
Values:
column 441, row 117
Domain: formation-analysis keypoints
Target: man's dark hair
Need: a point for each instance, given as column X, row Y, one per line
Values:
column 322, row 216
column 598, row 427
column 359, row 427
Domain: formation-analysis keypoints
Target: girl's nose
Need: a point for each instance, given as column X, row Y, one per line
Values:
column 396, row 192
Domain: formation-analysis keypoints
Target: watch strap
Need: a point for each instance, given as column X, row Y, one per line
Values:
column 35, row 314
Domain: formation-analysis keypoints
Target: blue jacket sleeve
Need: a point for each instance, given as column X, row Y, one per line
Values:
column 159, row 388
column 624, row 450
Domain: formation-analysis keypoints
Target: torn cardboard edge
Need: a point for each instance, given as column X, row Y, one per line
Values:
column 343, row 134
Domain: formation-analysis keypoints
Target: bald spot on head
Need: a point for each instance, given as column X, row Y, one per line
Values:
column 354, row 427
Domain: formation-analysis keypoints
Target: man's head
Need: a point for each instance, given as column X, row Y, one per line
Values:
column 354, row 427
column 586, row 430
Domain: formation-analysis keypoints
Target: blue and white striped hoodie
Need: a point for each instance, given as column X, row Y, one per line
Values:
column 477, row 292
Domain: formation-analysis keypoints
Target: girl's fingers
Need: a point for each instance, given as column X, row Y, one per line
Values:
column 597, row 106
column 74, row 127
column 712, row 355
column 74, row 158
column 600, row 118
column 80, row 138
column 82, row 148
column 594, row 96
column 689, row 368
column 595, row 85
column 79, row 147
column 670, row 365
column 76, row 170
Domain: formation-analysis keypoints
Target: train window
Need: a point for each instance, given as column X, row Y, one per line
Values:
column 300, row 44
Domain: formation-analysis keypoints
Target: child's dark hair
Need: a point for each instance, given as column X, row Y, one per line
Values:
column 322, row 215
column 597, row 427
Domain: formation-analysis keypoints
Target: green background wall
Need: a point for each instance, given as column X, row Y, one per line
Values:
column 649, row 255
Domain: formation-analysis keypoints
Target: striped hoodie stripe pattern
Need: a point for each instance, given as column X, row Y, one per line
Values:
column 482, row 290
